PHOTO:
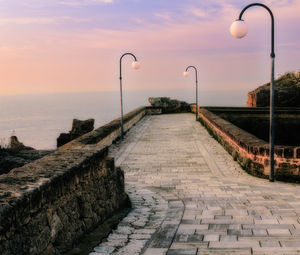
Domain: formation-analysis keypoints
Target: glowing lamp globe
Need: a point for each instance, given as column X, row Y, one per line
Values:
column 185, row 74
column 239, row 29
column 135, row 65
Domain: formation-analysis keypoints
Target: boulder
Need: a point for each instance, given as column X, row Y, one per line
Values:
column 79, row 128
column 169, row 105
column 287, row 92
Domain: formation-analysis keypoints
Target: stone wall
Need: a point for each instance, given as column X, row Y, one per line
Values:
column 47, row 206
column 251, row 152
column 256, row 122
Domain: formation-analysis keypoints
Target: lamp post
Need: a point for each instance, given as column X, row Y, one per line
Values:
column 239, row 29
column 186, row 74
column 135, row 65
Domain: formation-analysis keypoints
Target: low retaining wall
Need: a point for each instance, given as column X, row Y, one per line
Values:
column 256, row 122
column 251, row 152
column 47, row 206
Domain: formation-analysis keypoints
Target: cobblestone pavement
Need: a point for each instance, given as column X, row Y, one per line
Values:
column 189, row 197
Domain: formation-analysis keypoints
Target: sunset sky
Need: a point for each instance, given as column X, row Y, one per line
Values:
column 51, row 46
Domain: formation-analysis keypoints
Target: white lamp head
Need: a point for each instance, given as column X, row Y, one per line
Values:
column 239, row 29
column 185, row 74
column 135, row 65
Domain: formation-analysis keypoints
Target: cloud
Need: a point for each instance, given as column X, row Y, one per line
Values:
column 202, row 34
column 138, row 21
column 27, row 21
column 42, row 20
column 199, row 13
column 279, row 3
column 164, row 16
column 76, row 3
column 46, row 3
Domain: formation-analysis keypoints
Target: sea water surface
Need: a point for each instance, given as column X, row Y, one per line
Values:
column 37, row 120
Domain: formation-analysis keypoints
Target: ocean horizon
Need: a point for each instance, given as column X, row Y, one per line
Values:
column 38, row 119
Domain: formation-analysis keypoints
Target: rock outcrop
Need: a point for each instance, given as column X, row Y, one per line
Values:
column 287, row 93
column 169, row 105
column 16, row 146
column 17, row 154
column 79, row 128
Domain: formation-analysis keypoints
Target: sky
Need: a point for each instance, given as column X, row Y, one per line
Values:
column 50, row 46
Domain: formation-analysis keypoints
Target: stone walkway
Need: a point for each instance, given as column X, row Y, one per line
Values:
column 189, row 197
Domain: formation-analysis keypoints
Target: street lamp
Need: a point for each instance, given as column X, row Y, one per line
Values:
column 239, row 29
column 135, row 65
column 186, row 74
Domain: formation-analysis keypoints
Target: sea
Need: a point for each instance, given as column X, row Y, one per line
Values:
column 38, row 119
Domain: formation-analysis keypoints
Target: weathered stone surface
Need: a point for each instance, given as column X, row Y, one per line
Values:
column 169, row 105
column 79, row 128
column 56, row 204
column 287, row 93
column 130, row 238
column 174, row 156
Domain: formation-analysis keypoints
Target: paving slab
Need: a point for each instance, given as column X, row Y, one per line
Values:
column 191, row 197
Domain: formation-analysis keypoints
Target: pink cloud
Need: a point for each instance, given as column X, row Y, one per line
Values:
column 76, row 60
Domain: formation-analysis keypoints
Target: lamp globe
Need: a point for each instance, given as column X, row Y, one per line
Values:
column 239, row 29
column 136, row 65
column 185, row 74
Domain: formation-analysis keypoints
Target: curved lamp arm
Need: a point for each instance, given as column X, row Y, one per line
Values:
column 125, row 54
column 196, row 71
column 272, row 19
